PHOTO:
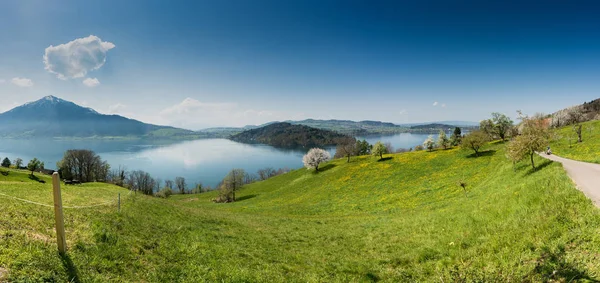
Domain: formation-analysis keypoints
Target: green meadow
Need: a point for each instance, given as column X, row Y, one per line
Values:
column 565, row 142
column 401, row 219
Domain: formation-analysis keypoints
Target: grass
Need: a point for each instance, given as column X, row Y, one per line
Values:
column 565, row 143
column 403, row 219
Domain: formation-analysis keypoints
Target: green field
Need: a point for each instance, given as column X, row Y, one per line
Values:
column 401, row 219
column 565, row 143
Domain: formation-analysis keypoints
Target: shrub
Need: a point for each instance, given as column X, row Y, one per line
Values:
column 164, row 193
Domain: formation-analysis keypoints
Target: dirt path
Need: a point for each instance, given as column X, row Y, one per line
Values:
column 585, row 175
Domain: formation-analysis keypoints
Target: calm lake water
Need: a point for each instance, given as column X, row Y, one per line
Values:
column 204, row 161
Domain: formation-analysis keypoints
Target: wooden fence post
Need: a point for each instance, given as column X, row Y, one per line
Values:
column 58, row 215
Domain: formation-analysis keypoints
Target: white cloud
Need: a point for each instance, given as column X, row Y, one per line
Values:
column 443, row 105
column 117, row 108
column 194, row 114
column 435, row 103
column 75, row 58
column 89, row 82
column 22, row 82
column 402, row 112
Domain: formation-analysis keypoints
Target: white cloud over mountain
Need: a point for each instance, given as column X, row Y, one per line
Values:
column 76, row 58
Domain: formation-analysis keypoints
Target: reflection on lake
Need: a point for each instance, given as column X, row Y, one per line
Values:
column 204, row 161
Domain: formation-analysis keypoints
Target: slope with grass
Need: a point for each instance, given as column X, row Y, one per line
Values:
column 565, row 142
column 401, row 219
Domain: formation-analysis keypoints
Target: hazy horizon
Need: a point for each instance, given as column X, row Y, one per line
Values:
column 205, row 64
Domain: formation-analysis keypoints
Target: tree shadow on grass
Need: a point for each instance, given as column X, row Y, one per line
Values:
column 489, row 152
column 553, row 267
column 70, row 267
column 324, row 168
column 35, row 178
column 5, row 173
column 384, row 159
column 242, row 198
column 538, row 167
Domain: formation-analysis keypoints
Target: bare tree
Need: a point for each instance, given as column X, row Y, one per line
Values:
column 169, row 184
column 180, row 183
column 83, row 165
column 141, row 181
column 157, row 184
column 388, row 147
column 346, row 147
column 265, row 173
column 577, row 129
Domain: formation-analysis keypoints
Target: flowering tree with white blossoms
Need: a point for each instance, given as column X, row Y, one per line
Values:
column 314, row 157
column 429, row 143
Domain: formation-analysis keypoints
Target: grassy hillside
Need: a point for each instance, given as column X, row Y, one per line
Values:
column 566, row 145
column 397, row 220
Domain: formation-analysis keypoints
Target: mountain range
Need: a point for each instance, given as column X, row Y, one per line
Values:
column 57, row 118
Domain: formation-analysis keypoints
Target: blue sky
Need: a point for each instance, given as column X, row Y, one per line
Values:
column 199, row 64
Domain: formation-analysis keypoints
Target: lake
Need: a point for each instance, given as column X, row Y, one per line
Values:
column 204, row 161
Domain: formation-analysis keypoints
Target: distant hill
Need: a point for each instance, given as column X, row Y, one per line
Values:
column 352, row 127
column 55, row 117
column 360, row 128
column 288, row 135
column 588, row 110
column 433, row 126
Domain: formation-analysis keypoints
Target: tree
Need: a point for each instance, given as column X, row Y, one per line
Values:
column 389, row 148
column 18, row 163
column 141, row 181
column 6, row 162
column 575, row 116
column 232, row 183
column 33, row 165
column 157, row 184
column 534, row 137
column 265, row 173
column 314, row 157
column 443, row 140
column 118, row 176
column 487, row 127
column 379, row 149
column 180, row 183
column 429, row 143
column 363, row 148
column 501, row 125
column 169, row 184
column 456, row 137
column 577, row 129
column 346, row 147
column 83, row 165
column 474, row 141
